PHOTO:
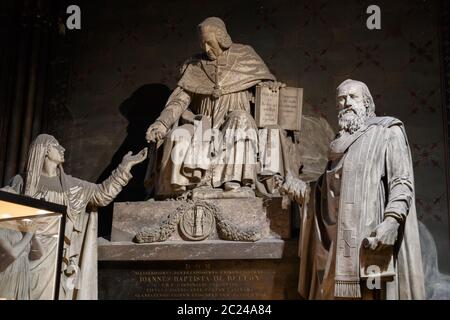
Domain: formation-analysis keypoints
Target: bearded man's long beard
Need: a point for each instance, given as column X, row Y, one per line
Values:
column 349, row 121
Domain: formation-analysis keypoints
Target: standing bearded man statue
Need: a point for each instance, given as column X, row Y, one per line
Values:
column 366, row 192
column 211, row 138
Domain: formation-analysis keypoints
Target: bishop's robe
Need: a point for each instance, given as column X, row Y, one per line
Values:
column 369, row 175
column 212, row 130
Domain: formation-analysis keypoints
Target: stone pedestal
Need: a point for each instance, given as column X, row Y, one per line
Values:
column 179, row 268
column 270, row 218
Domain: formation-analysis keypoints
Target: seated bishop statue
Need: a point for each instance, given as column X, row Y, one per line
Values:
column 207, row 132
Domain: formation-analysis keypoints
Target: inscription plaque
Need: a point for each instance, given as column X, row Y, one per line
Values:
column 249, row 279
column 283, row 108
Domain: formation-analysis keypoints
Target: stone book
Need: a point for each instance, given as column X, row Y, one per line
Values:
column 376, row 263
column 283, row 108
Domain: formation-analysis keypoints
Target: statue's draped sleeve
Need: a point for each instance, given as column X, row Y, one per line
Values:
column 104, row 193
column 399, row 175
column 177, row 103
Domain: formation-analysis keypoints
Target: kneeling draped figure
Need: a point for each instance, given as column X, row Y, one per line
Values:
column 45, row 179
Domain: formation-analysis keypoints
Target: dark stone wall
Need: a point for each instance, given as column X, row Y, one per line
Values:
column 112, row 77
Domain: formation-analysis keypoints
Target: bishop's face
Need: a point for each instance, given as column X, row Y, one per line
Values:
column 209, row 43
column 350, row 103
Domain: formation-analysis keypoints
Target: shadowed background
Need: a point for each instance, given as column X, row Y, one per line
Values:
column 98, row 89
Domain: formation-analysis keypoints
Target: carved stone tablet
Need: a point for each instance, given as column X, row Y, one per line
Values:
column 266, row 110
column 290, row 108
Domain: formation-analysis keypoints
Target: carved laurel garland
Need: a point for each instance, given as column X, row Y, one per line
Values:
column 227, row 230
column 168, row 226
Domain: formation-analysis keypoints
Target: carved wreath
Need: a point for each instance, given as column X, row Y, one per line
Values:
column 226, row 229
